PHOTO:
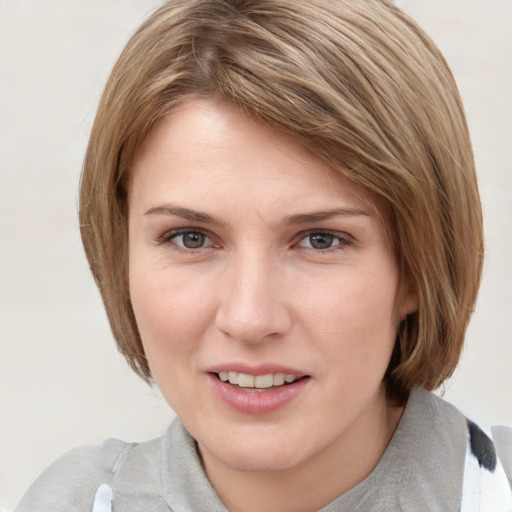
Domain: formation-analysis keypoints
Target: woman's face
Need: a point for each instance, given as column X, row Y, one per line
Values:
column 251, row 261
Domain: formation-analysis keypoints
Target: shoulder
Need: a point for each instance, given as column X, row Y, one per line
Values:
column 71, row 482
column 479, row 463
column 489, row 445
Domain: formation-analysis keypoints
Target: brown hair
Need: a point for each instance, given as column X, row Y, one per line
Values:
column 365, row 90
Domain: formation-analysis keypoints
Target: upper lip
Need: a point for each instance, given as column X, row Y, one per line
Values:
column 251, row 369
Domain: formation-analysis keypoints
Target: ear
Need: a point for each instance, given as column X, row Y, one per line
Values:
column 408, row 299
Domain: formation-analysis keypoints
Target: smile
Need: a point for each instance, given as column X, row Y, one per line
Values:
column 266, row 381
column 257, row 394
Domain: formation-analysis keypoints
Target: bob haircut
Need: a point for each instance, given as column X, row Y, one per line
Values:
column 364, row 89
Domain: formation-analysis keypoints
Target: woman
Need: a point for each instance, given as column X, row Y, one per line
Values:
column 280, row 208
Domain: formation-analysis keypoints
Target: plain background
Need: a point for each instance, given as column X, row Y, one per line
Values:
column 62, row 383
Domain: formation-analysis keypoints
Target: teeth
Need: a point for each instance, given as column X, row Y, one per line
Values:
column 266, row 381
column 245, row 381
column 279, row 379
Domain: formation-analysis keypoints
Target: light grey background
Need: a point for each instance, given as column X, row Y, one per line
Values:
column 62, row 383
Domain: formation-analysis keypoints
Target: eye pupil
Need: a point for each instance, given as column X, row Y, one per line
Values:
column 193, row 240
column 321, row 240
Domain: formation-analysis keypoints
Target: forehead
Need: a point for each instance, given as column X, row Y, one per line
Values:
column 206, row 155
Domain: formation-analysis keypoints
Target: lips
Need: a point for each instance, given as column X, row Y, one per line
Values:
column 260, row 390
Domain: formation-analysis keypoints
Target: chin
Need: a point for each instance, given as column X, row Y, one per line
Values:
column 258, row 453
column 270, row 460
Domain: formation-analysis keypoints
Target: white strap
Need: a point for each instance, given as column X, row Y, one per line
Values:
column 104, row 494
column 103, row 499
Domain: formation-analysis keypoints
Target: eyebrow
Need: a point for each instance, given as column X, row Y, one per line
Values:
column 304, row 218
column 300, row 218
column 186, row 213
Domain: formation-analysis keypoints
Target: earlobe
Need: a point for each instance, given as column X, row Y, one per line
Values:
column 409, row 303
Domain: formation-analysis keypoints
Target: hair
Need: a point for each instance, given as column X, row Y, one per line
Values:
column 364, row 89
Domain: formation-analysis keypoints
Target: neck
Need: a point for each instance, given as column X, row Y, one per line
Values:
column 315, row 482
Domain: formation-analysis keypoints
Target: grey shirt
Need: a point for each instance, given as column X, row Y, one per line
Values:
column 421, row 470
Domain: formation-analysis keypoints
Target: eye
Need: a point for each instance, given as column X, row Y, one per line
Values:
column 323, row 240
column 187, row 239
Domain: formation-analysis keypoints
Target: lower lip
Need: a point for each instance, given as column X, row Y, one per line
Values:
column 262, row 401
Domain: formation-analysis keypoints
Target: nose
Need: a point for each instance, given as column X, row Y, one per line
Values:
column 252, row 307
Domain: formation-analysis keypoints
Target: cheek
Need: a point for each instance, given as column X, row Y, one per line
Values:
column 171, row 314
column 358, row 300
column 171, row 319
column 355, row 318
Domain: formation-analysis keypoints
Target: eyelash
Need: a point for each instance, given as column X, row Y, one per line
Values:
column 343, row 240
column 167, row 238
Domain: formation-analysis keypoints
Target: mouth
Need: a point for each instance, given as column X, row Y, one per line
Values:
column 262, row 390
column 265, row 382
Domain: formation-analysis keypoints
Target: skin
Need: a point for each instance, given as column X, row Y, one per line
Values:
column 264, row 284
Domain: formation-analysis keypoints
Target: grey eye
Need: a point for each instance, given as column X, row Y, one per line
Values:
column 191, row 239
column 320, row 240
